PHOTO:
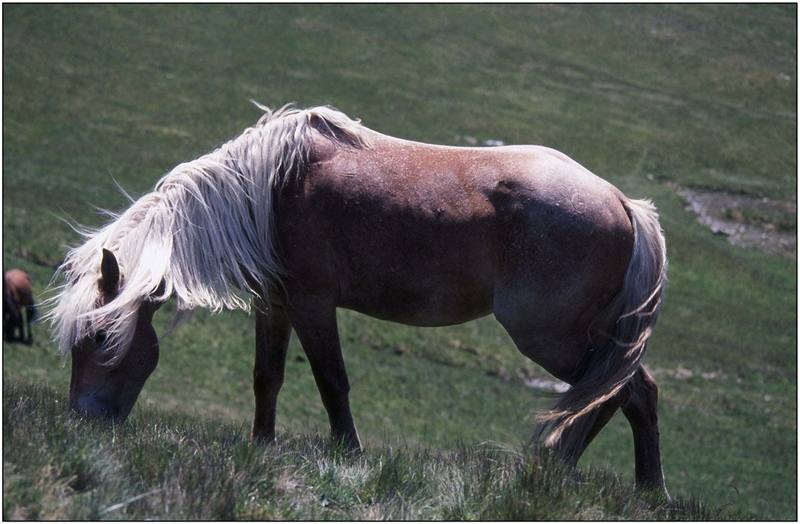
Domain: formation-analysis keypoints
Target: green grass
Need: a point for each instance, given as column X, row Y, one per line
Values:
column 175, row 467
column 704, row 96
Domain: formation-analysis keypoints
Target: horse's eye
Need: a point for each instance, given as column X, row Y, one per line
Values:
column 100, row 338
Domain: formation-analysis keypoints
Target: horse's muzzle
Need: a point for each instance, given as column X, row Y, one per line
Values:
column 94, row 409
column 99, row 407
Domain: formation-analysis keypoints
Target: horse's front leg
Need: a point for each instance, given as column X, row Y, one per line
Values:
column 314, row 320
column 273, row 331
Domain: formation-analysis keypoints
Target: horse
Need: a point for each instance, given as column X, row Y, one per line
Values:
column 309, row 210
column 19, row 308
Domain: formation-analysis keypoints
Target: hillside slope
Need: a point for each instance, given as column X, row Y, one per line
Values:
column 178, row 468
column 645, row 96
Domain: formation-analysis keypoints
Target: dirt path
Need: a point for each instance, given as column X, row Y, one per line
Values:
column 757, row 223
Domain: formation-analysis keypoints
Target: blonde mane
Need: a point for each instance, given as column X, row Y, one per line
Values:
column 206, row 231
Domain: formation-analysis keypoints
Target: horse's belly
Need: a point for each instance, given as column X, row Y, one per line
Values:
column 411, row 305
column 417, row 279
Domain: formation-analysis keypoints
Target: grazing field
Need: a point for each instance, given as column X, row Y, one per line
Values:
column 652, row 98
column 171, row 467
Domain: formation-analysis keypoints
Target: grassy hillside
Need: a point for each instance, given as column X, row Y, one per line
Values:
column 701, row 96
column 174, row 468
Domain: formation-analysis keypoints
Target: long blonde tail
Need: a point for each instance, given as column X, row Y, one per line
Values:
column 619, row 337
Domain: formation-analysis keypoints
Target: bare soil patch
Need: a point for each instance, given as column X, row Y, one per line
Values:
column 765, row 224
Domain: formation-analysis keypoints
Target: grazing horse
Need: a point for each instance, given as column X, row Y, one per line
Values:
column 309, row 210
column 19, row 308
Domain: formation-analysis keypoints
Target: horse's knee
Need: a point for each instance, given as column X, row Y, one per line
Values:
column 267, row 382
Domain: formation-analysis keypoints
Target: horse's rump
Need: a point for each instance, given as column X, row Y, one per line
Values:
column 19, row 287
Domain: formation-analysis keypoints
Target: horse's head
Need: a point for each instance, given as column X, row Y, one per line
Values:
column 100, row 386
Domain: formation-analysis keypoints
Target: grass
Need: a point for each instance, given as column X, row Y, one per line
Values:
column 173, row 467
column 704, row 96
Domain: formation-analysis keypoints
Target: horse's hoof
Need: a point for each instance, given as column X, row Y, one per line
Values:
column 355, row 450
column 655, row 489
column 347, row 445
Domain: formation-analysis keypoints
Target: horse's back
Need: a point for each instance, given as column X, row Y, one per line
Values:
column 425, row 234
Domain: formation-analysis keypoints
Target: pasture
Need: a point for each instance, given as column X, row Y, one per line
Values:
column 652, row 98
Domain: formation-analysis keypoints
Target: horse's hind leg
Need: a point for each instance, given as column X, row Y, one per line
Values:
column 563, row 354
column 26, row 322
column 643, row 418
column 314, row 320
column 16, row 328
column 638, row 402
column 273, row 331
column 599, row 420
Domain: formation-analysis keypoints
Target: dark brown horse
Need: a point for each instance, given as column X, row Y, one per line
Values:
column 19, row 308
column 308, row 211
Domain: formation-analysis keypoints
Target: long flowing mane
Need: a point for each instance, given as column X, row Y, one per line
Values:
column 205, row 233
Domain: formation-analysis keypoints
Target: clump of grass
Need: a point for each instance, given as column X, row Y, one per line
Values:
column 175, row 468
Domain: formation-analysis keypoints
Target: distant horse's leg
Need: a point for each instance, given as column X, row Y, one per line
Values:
column 33, row 312
column 9, row 314
column 16, row 326
column 273, row 332
column 11, row 317
column 10, row 322
column 26, row 337
column 314, row 320
column 30, row 316
column 642, row 415
column 25, row 327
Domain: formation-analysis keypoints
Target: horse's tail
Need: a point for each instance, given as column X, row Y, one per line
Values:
column 619, row 337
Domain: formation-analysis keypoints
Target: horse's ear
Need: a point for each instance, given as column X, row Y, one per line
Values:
column 109, row 271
